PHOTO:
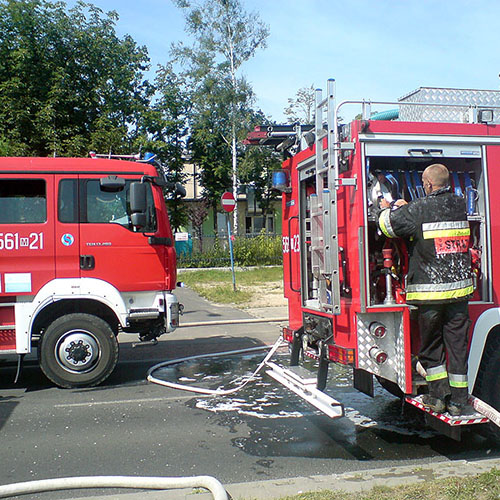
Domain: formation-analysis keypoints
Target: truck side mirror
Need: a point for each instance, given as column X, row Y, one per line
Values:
column 138, row 204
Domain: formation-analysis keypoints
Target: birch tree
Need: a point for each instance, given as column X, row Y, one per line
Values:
column 301, row 108
column 225, row 36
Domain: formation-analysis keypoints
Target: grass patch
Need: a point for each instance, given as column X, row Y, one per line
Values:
column 486, row 486
column 251, row 276
column 223, row 294
column 216, row 285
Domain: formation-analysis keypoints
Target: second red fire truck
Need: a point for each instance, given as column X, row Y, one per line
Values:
column 86, row 252
column 344, row 280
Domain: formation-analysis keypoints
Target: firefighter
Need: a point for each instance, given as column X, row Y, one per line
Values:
column 439, row 283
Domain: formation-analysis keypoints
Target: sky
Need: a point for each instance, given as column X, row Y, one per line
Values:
column 376, row 50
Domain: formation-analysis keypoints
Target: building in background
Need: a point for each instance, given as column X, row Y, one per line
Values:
column 251, row 218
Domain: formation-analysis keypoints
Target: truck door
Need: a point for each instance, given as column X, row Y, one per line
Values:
column 110, row 248
column 26, row 233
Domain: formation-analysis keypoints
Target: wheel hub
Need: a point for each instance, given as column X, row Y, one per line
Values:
column 77, row 351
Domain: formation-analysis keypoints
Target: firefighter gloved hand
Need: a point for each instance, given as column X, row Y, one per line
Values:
column 400, row 203
column 393, row 204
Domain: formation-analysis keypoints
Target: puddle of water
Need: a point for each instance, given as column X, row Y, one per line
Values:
column 267, row 420
column 265, row 399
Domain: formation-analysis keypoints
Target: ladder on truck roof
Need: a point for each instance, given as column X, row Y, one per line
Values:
column 324, row 228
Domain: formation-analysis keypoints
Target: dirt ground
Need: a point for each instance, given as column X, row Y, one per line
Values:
column 268, row 295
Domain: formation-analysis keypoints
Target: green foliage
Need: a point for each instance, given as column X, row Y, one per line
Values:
column 214, row 257
column 261, row 250
column 10, row 148
column 162, row 131
column 68, row 84
column 256, row 170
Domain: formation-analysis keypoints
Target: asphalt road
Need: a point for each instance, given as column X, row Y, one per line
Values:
column 131, row 427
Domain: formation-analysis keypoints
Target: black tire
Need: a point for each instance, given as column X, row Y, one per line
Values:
column 78, row 350
column 391, row 387
column 487, row 386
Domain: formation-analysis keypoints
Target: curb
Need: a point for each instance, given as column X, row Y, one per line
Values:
column 233, row 322
column 357, row 481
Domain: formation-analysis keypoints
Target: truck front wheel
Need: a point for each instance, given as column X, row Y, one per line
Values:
column 78, row 350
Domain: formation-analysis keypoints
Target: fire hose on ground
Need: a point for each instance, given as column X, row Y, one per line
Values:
column 151, row 483
column 214, row 392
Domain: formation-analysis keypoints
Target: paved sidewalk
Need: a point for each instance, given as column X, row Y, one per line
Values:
column 348, row 482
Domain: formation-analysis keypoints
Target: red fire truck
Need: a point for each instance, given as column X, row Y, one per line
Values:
column 344, row 280
column 86, row 252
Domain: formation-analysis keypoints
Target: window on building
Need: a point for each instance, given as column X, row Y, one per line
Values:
column 23, row 201
column 256, row 223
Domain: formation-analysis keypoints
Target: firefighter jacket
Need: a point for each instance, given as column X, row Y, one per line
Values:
column 438, row 230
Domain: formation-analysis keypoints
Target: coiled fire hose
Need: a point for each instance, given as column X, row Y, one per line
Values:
column 214, row 392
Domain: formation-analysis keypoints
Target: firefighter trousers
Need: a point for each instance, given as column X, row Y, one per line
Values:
column 443, row 349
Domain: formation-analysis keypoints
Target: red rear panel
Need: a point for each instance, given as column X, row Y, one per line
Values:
column 291, row 249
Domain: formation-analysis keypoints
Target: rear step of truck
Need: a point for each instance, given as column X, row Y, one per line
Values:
column 303, row 383
column 452, row 426
column 475, row 418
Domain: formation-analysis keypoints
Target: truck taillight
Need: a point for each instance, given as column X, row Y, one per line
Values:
column 341, row 355
column 378, row 330
column 288, row 334
column 378, row 355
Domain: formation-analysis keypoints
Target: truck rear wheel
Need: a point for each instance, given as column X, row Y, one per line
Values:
column 78, row 350
column 488, row 386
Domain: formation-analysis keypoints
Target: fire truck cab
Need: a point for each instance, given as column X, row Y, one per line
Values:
column 344, row 280
column 86, row 253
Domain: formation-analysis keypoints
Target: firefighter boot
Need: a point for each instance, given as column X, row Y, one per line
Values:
column 433, row 403
column 438, row 392
column 457, row 404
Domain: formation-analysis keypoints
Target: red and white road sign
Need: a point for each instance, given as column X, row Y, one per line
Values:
column 228, row 202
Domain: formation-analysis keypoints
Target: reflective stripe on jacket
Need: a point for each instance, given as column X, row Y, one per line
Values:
column 439, row 233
